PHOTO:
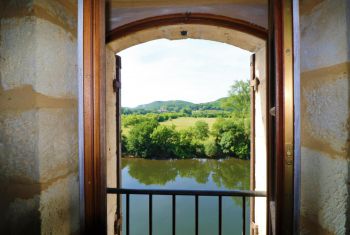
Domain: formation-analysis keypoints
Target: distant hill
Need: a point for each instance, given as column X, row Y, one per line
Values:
column 177, row 105
column 171, row 105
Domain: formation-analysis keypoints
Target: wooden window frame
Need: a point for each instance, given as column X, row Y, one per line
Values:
column 93, row 196
column 285, row 75
column 284, row 70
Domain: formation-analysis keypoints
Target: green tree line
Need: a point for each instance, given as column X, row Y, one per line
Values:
column 228, row 137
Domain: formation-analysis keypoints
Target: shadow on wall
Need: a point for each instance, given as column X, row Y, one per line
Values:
column 38, row 118
column 19, row 171
column 38, row 166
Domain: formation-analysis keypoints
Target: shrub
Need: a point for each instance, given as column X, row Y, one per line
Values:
column 211, row 149
column 231, row 137
column 139, row 139
column 201, row 130
column 134, row 119
column 124, row 143
column 164, row 141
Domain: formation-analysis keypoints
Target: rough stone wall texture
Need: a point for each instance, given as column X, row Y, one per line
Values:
column 38, row 117
column 325, row 122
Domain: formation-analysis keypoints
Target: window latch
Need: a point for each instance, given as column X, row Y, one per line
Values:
column 116, row 85
column 255, row 83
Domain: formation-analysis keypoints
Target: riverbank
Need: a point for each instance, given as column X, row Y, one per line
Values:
column 193, row 158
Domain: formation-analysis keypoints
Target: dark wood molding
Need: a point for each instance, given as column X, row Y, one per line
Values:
column 187, row 18
column 281, row 178
column 276, row 74
column 93, row 116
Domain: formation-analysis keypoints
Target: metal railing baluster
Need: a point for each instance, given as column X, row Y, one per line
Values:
column 196, row 213
column 174, row 213
column 196, row 193
column 127, row 214
column 243, row 215
column 220, row 215
column 150, row 211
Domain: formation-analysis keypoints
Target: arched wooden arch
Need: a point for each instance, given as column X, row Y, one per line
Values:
column 159, row 23
column 187, row 18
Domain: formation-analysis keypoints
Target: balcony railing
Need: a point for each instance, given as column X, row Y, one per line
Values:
column 196, row 193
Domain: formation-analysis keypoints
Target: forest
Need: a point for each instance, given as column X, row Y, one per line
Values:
column 181, row 129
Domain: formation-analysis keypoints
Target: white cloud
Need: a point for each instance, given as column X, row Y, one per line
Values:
column 191, row 70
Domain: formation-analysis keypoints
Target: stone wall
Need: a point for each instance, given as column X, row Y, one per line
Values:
column 38, row 117
column 325, row 69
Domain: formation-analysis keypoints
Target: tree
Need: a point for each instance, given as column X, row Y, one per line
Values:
column 124, row 144
column 231, row 138
column 187, row 111
column 139, row 140
column 165, row 140
column 187, row 146
column 238, row 101
column 201, row 130
column 211, row 148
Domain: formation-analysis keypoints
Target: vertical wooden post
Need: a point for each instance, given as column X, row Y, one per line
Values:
column 93, row 116
column 252, row 141
column 288, row 119
column 117, row 90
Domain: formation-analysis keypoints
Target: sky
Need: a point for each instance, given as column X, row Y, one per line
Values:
column 192, row 70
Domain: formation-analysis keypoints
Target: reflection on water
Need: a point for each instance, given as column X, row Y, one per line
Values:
column 185, row 174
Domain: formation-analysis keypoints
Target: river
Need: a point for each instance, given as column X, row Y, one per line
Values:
column 205, row 174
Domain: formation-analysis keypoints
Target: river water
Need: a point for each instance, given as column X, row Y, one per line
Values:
column 205, row 174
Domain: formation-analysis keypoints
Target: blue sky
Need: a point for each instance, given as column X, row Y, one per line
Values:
column 192, row 70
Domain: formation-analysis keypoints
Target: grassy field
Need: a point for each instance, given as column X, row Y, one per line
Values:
column 181, row 123
column 185, row 122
